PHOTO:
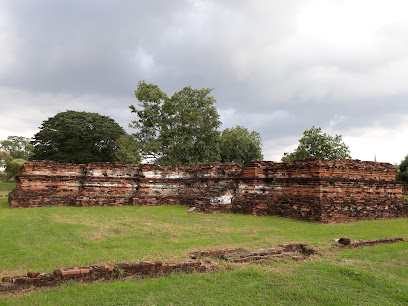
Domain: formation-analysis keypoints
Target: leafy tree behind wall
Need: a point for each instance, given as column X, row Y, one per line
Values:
column 316, row 144
column 403, row 167
column 150, row 116
column 77, row 137
column 190, row 133
column 17, row 146
column 5, row 157
column 13, row 168
column 128, row 150
column 181, row 129
column 15, row 151
column 240, row 146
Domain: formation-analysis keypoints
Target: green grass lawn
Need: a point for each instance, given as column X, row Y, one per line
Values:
column 42, row 239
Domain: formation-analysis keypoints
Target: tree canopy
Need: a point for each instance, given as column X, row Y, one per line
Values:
column 403, row 167
column 17, row 146
column 181, row 129
column 316, row 144
column 13, row 168
column 14, row 152
column 128, row 150
column 77, row 137
column 5, row 157
column 240, row 146
column 150, row 115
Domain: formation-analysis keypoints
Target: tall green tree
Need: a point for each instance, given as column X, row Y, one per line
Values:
column 128, row 150
column 77, row 137
column 150, row 116
column 182, row 129
column 19, row 147
column 13, row 168
column 5, row 157
column 316, row 144
column 190, row 131
column 240, row 146
column 403, row 167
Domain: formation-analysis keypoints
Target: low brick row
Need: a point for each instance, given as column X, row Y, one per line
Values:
column 93, row 273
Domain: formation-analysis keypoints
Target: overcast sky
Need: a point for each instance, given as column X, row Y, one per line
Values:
column 277, row 67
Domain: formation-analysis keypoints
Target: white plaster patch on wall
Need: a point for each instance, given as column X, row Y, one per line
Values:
column 110, row 173
column 162, row 186
column 243, row 186
column 110, row 185
column 262, row 189
column 223, row 199
column 204, row 175
column 56, row 173
column 154, row 174
column 74, row 184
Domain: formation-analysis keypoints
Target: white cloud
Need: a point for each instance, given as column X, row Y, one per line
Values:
column 23, row 112
column 387, row 145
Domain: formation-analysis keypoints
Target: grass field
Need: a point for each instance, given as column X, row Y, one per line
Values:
column 42, row 239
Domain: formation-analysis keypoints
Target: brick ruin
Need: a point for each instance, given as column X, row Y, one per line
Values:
column 143, row 269
column 198, row 262
column 309, row 190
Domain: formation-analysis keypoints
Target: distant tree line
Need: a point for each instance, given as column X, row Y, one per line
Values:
column 181, row 129
column 169, row 130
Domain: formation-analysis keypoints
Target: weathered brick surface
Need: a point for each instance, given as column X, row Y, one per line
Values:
column 47, row 184
column 311, row 190
column 322, row 191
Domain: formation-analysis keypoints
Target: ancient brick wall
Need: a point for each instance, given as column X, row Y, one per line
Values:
column 311, row 190
column 322, row 191
column 47, row 183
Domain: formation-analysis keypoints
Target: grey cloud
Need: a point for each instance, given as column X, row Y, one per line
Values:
column 272, row 69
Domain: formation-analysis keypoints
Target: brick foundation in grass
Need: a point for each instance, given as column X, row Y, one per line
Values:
column 199, row 262
column 295, row 251
column 309, row 190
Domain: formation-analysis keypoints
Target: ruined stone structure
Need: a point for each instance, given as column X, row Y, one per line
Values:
column 310, row 190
